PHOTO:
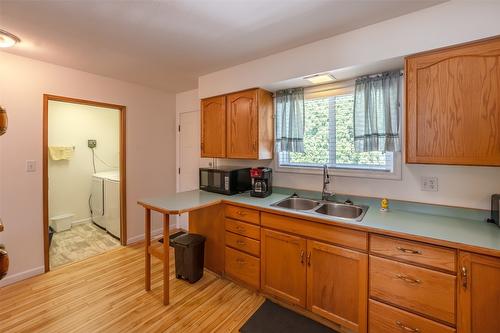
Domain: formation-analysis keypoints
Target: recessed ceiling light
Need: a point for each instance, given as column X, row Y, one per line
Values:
column 7, row 39
column 320, row 78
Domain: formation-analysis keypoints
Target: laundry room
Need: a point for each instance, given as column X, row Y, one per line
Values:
column 84, row 192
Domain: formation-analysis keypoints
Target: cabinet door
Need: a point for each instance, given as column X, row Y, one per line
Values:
column 283, row 272
column 337, row 284
column 213, row 127
column 453, row 105
column 478, row 293
column 242, row 125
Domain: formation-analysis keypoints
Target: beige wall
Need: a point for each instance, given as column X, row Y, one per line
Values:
column 70, row 181
column 150, row 149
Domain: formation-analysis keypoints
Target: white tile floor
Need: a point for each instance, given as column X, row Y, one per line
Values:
column 78, row 243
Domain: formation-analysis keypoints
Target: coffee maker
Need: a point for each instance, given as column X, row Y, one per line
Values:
column 262, row 182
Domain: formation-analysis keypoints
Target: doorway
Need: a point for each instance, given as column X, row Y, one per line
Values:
column 84, row 186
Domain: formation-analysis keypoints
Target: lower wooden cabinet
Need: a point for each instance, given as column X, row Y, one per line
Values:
column 384, row 318
column 337, row 283
column 283, row 272
column 327, row 280
column 478, row 293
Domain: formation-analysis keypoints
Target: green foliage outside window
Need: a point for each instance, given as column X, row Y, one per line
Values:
column 317, row 135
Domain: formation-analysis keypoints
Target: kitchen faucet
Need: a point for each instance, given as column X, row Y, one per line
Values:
column 326, row 180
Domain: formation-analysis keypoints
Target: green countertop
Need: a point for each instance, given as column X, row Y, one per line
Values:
column 449, row 224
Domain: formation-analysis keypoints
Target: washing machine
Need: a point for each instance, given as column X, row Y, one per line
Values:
column 105, row 201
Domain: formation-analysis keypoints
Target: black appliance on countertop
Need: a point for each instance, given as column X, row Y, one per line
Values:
column 495, row 204
column 262, row 182
column 225, row 180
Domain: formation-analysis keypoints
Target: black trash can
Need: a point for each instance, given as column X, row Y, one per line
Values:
column 189, row 256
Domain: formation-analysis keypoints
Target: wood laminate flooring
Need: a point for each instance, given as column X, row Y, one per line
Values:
column 106, row 293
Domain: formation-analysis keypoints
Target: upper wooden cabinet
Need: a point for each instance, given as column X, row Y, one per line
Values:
column 238, row 125
column 453, row 105
column 478, row 293
column 213, row 118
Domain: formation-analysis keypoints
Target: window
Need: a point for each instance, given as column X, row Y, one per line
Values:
column 329, row 136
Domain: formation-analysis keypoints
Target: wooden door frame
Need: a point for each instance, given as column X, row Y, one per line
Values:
column 45, row 173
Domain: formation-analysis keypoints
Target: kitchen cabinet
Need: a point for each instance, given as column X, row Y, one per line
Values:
column 238, row 125
column 337, row 284
column 453, row 105
column 478, row 293
column 283, row 272
column 213, row 134
column 328, row 280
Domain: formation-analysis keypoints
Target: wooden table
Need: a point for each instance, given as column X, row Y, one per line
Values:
column 160, row 250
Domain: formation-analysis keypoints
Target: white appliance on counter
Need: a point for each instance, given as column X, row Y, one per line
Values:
column 105, row 201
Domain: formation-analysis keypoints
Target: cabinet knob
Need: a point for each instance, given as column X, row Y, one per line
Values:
column 407, row 328
column 309, row 259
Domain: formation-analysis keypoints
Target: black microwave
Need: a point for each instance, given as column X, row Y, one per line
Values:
column 225, row 180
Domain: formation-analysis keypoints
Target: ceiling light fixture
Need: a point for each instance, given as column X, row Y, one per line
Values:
column 7, row 39
column 320, row 78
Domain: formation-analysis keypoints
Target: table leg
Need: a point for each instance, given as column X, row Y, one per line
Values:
column 147, row 243
column 166, row 259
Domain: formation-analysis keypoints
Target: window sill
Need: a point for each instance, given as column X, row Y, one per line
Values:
column 357, row 173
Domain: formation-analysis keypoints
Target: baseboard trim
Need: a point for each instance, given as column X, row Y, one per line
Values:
column 154, row 233
column 81, row 221
column 10, row 279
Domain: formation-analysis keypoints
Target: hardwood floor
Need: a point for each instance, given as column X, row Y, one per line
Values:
column 106, row 294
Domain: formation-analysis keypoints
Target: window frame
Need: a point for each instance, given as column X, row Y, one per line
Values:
column 323, row 91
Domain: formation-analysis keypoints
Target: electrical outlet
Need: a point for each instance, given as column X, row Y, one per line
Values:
column 92, row 143
column 30, row 166
column 429, row 184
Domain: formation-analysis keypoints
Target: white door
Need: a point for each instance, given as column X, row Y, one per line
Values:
column 189, row 150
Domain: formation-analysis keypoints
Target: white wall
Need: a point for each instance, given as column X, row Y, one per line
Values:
column 150, row 147
column 442, row 25
column 70, row 181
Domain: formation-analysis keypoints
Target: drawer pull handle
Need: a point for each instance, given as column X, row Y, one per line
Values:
column 402, row 249
column 241, row 213
column 240, row 228
column 240, row 242
column 302, row 256
column 406, row 328
column 240, row 261
column 309, row 259
column 464, row 277
column 408, row 279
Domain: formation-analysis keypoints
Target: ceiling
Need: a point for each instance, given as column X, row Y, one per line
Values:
column 169, row 44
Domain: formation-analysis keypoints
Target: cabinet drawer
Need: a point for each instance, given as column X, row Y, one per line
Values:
column 243, row 267
column 418, row 289
column 242, row 228
column 416, row 252
column 243, row 214
column 243, row 243
column 387, row 319
column 329, row 233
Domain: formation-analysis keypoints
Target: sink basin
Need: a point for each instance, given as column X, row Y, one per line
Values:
column 340, row 210
column 297, row 203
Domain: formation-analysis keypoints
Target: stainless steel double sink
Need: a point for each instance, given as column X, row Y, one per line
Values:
column 344, row 211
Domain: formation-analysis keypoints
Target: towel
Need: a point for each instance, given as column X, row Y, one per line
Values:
column 61, row 153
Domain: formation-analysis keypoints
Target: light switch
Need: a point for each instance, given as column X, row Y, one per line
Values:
column 30, row 166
